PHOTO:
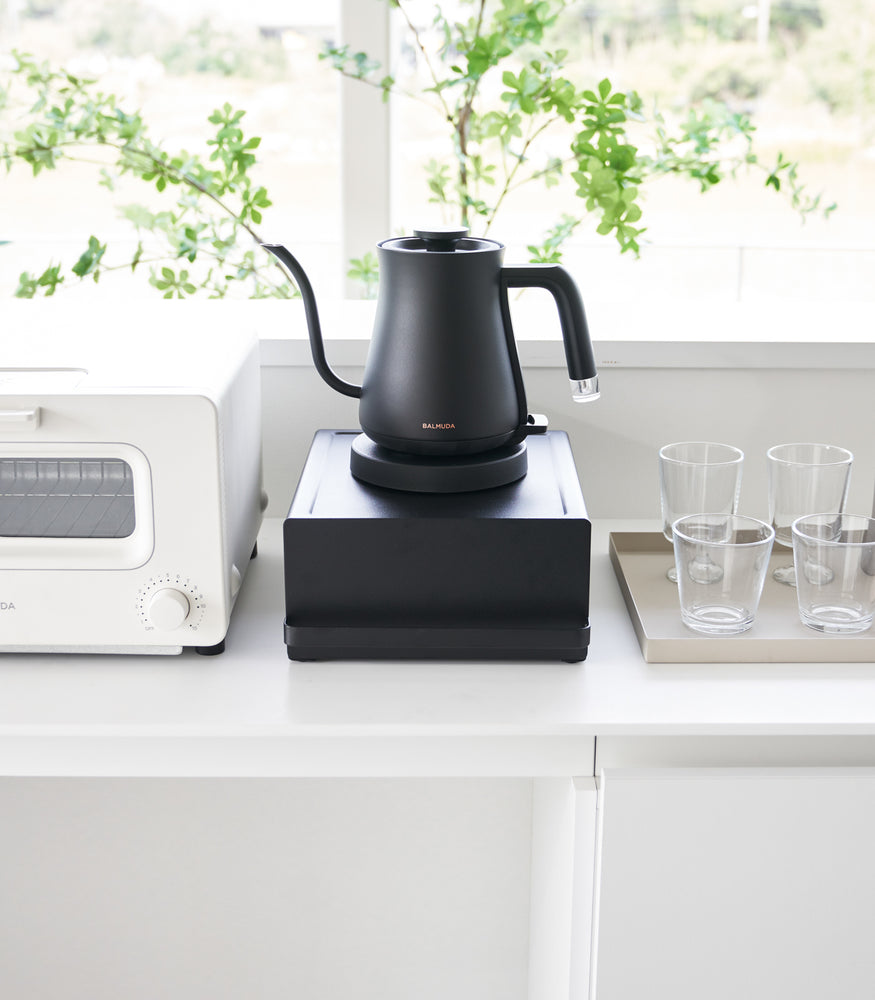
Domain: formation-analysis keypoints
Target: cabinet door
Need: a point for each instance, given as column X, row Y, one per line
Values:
column 728, row 883
column 264, row 888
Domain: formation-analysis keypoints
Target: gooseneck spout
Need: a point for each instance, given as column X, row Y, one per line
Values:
column 579, row 356
column 314, row 330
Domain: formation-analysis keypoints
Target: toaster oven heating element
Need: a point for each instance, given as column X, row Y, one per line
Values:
column 66, row 498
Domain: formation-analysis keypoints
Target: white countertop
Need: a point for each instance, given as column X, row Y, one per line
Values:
column 252, row 711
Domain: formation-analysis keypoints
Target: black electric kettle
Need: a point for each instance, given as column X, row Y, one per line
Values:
column 443, row 406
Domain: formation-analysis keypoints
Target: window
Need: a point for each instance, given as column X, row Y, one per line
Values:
column 344, row 169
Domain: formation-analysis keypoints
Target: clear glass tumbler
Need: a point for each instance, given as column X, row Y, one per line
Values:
column 804, row 479
column 724, row 603
column 697, row 477
column 835, row 571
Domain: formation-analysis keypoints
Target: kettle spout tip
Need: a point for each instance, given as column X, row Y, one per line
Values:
column 585, row 390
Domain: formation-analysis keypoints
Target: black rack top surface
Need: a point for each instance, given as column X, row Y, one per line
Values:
column 327, row 489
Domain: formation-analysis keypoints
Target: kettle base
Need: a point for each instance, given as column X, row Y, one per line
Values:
column 395, row 470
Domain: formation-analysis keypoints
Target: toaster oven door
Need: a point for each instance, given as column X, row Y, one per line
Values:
column 74, row 506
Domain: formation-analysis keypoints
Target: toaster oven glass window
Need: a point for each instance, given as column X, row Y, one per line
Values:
column 66, row 498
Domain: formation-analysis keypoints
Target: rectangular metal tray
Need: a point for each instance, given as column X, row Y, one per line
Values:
column 640, row 560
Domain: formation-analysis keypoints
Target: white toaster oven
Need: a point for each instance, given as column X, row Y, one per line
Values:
column 130, row 484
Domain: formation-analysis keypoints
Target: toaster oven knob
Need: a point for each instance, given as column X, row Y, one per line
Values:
column 168, row 609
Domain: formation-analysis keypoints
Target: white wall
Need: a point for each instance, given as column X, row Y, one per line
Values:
column 664, row 377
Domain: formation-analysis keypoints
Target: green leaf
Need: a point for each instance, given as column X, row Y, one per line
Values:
column 27, row 286
column 139, row 216
column 90, row 258
column 50, row 279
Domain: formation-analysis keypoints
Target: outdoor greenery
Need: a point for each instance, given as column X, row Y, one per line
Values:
column 134, row 29
column 493, row 148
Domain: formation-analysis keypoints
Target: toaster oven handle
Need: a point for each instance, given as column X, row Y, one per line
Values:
column 21, row 418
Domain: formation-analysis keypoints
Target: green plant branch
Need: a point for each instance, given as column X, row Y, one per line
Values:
column 169, row 171
column 166, row 169
column 204, row 226
column 383, row 86
column 421, row 48
column 606, row 166
column 520, row 158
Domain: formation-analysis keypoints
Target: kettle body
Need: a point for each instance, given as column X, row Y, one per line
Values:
column 442, row 375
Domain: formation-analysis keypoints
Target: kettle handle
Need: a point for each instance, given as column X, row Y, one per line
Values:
column 314, row 329
column 572, row 318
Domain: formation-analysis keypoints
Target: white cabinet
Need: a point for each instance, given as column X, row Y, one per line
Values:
column 264, row 888
column 735, row 882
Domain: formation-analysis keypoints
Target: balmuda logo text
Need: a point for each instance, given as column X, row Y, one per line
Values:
column 7, row 606
column 438, row 427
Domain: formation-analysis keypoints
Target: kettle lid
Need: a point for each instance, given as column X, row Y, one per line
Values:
column 441, row 239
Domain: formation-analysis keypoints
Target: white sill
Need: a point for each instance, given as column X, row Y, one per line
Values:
column 688, row 334
column 638, row 333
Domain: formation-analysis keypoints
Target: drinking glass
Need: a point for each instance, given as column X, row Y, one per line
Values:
column 723, row 604
column 835, row 571
column 804, row 479
column 697, row 477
